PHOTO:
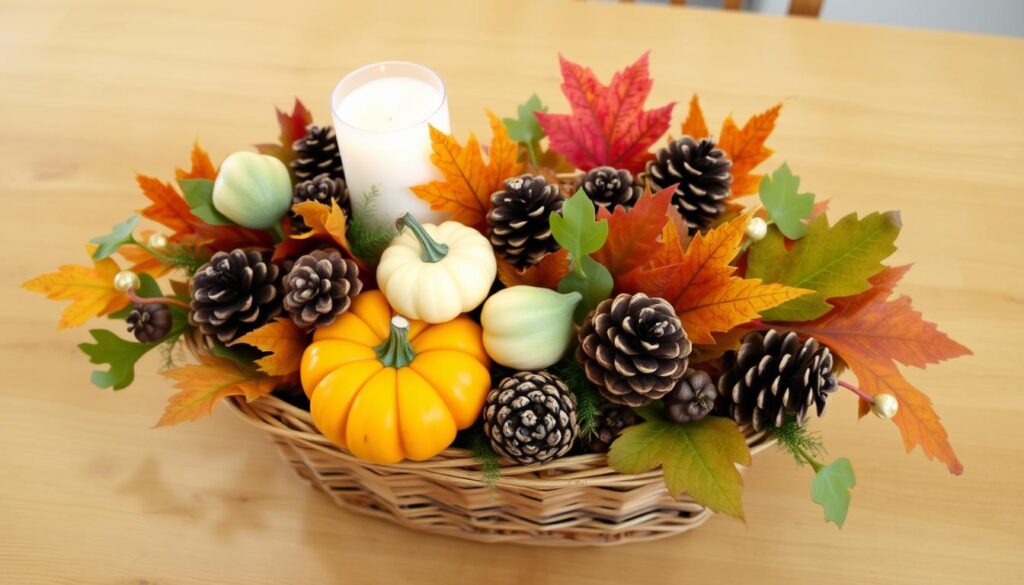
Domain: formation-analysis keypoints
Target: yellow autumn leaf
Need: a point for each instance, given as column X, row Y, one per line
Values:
column 90, row 290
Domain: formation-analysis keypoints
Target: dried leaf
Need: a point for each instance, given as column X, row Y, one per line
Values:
column 90, row 290
column 745, row 147
column 871, row 333
column 702, row 288
column 283, row 340
column 546, row 273
column 202, row 386
column 293, row 126
column 468, row 182
column 633, row 234
column 608, row 124
column 694, row 126
column 324, row 223
column 202, row 166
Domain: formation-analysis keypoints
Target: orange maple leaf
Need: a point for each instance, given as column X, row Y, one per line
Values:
column 202, row 166
column 672, row 245
column 633, row 234
column 90, row 290
column 702, row 288
column 871, row 333
column 745, row 147
column 468, row 182
column 545, row 274
column 283, row 340
column 167, row 207
column 694, row 125
column 204, row 385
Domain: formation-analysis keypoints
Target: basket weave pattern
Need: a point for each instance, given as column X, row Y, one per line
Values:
column 572, row 501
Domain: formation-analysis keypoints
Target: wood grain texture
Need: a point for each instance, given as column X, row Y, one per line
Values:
column 874, row 118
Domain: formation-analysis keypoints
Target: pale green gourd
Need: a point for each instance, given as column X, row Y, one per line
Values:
column 253, row 190
column 527, row 327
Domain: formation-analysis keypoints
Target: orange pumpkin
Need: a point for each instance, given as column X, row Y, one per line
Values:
column 387, row 388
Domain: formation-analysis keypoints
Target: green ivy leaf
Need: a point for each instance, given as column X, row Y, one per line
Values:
column 576, row 228
column 199, row 195
column 699, row 458
column 526, row 128
column 595, row 284
column 831, row 489
column 833, row 261
column 120, row 354
column 786, row 208
column 148, row 289
column 120, row 235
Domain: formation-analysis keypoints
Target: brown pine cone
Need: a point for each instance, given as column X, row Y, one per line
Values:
column 517, row 223
column 609, row 187
column 317, row 153
column 234, row 293
column 633, row 348
column 149, row 322
column 531, row 417
column 319, row 287
column 609, row 420
column 322, row 188
column 692, row 398
column 703, row 173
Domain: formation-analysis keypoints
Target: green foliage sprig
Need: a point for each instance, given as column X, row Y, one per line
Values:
column 832, row 482
column 367, row 239
column 588, row 400
column 483, row 453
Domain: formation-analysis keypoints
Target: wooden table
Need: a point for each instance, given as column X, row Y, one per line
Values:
column 875, row 118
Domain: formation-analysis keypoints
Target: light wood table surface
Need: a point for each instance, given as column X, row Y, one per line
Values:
column 875, row 118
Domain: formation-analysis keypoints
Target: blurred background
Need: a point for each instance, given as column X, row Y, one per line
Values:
column 1000, row 17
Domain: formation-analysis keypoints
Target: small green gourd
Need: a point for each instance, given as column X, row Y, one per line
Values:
column 253, row 190
column 527, row 327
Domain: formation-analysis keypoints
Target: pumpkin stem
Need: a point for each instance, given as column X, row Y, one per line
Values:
column 433, row 251
column 396, row 352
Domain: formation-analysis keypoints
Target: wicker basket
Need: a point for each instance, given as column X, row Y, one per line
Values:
column 573, row 501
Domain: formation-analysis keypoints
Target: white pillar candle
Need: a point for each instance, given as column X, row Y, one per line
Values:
column 382, row 113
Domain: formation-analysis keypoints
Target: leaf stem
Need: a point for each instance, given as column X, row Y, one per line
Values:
column 863, row 395
column 815, row 465
column 433, row 251
column 532, row 149
column 277, row 231
column 135, row 298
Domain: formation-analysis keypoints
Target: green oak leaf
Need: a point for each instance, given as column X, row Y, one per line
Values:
column 526, row 128
column 699, row 458
column 785, row 206
column 831, row 489
column 595, row 285
column 576, row 228
column 120, row 235
column 199, row 195
column 148, row 289
column 120, row 354
column 833, row 261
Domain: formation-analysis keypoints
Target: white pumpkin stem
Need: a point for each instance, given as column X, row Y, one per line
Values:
column 433, row 251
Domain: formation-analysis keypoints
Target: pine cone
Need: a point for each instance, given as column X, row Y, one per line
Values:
column 609, row 187
column 235, row 293
column 692, row 398
column 316, row 153
column 323, row 188
column 149, row 322
column 319, row 287
column 518, row 220
column 633, row 348
column 704, row 176
column 609, row 420
column 531, row 417
column 773, row 376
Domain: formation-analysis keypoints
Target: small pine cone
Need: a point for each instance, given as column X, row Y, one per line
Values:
column 633, row 348
column 773, row 376
column 316, row 153
column 704, row 176
column 323, row 188
column 149, row 322
column 609, row 420
column 531, row 417
column 609, row 187
column 235, row 293
column 692, row 398
column 518, row 220
column 319, row 287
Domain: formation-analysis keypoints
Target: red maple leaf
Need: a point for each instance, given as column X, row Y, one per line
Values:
column 293, row 126
column 608, row 124
column 872, row 333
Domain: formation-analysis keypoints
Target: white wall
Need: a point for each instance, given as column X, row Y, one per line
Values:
column 1002, row 17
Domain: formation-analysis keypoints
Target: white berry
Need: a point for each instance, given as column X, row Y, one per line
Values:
column 126, row 280
column 757, row 229
column 157, row 241
column 885, row 406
